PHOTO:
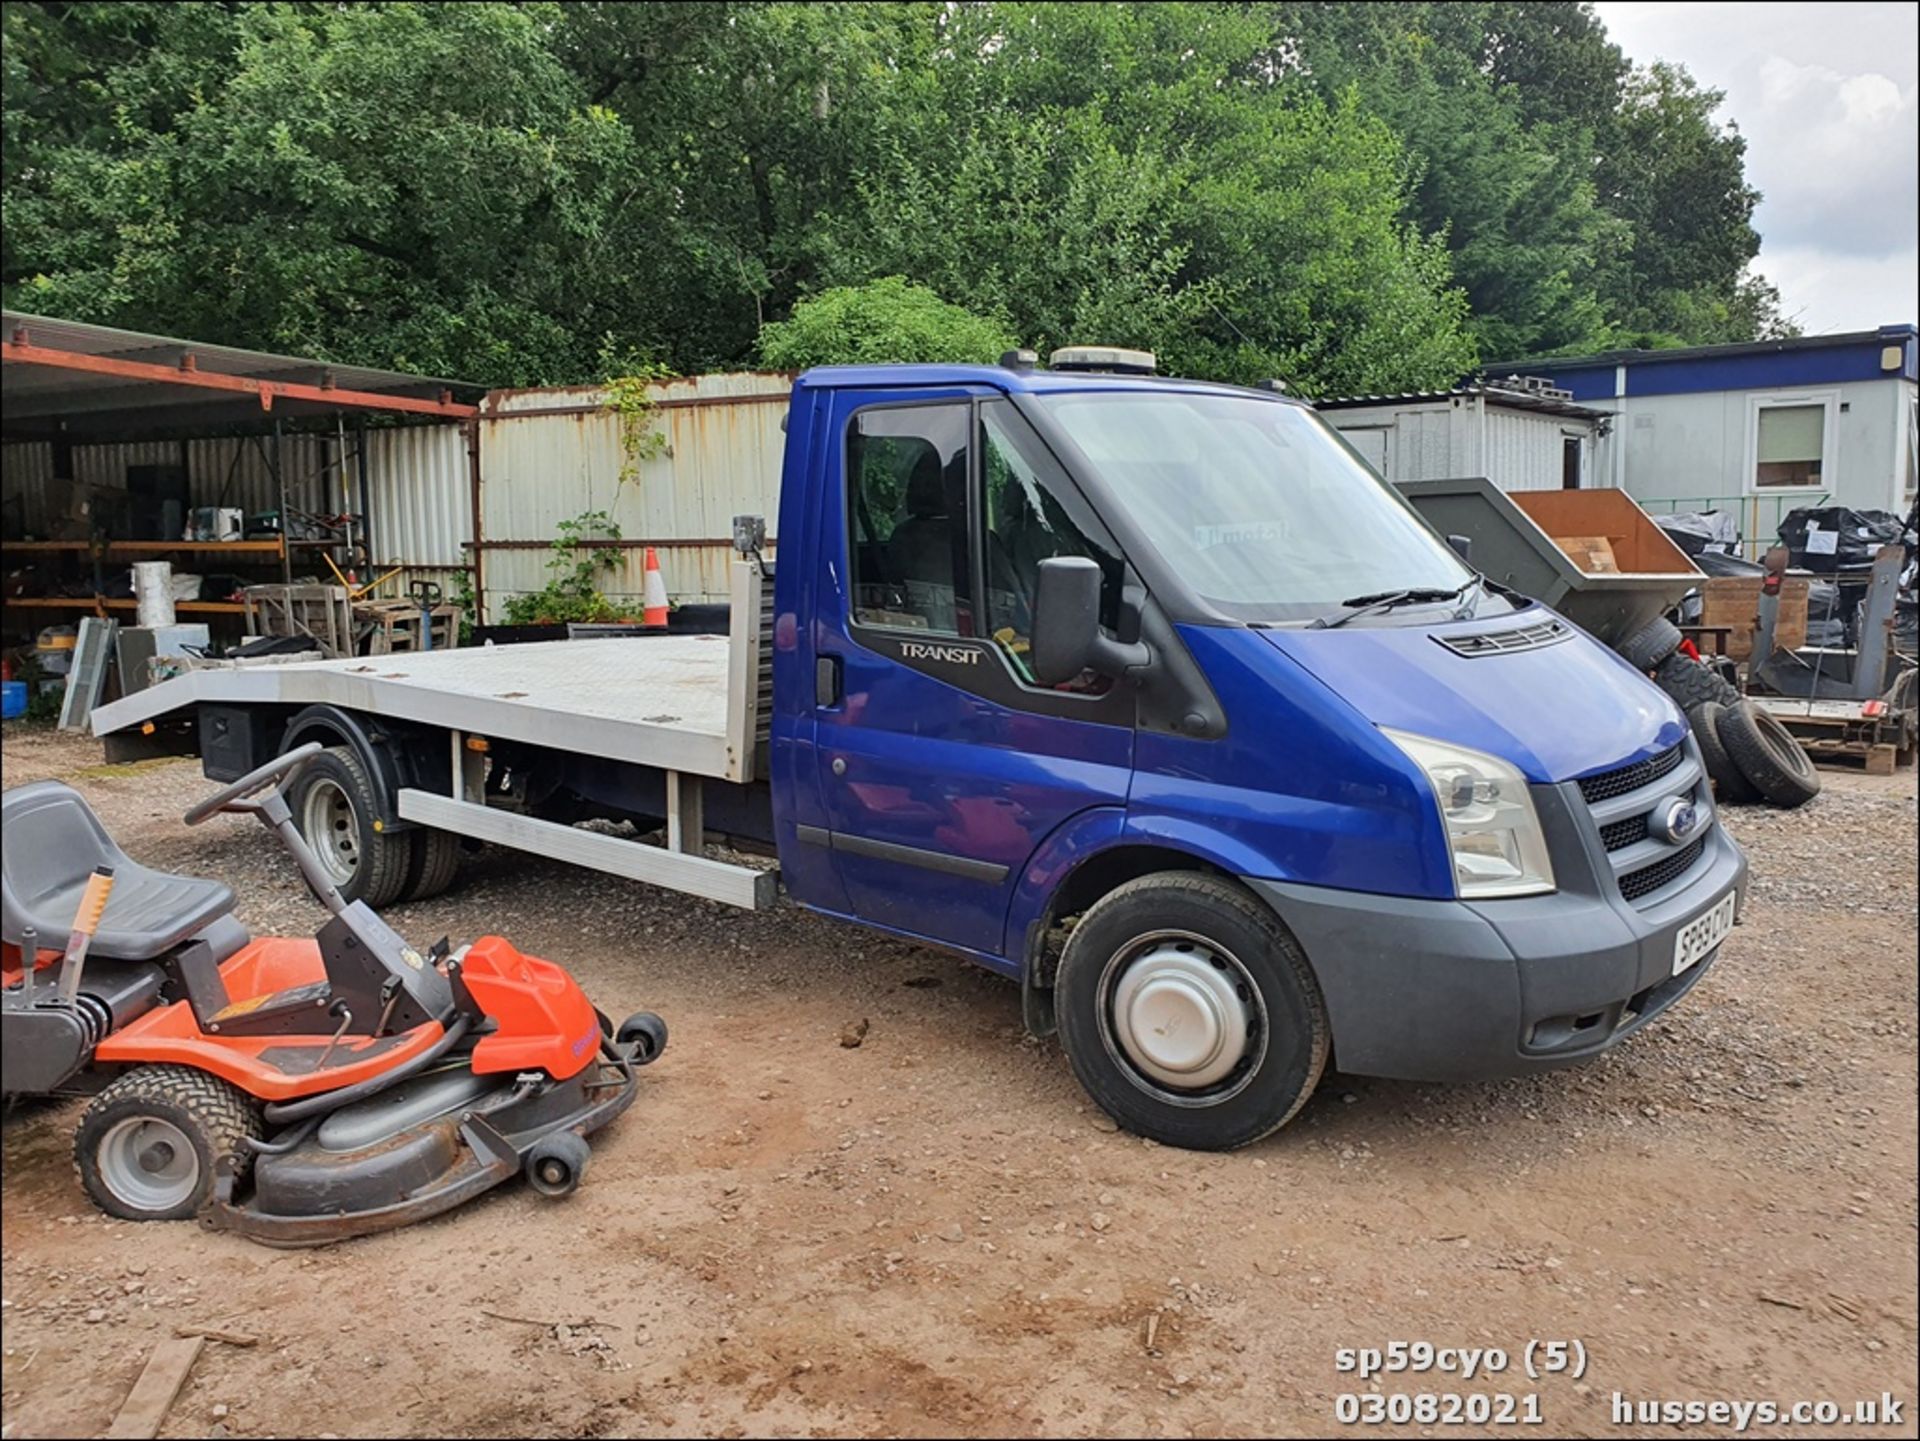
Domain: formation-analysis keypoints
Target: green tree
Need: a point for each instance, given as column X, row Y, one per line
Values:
column 885, row 321
column 1677, row 176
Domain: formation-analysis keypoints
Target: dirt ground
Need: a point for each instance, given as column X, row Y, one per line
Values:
column 935, row 1233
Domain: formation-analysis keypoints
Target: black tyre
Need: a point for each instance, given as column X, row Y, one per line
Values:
column 1189, row 1013
column 1690, row 683
column 432, row 864
column 649, row 1031
column 148, row 1147
column 1651, row 644
column 557, row 1164
column 336, row 807
column 1767, row 754
column 1730, row 786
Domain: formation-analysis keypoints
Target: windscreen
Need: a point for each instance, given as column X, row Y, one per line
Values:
column 1254, row 503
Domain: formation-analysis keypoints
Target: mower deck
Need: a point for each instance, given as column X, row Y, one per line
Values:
column 420, row 1172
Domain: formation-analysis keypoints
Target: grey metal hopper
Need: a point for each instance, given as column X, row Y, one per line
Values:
column 1517, row 541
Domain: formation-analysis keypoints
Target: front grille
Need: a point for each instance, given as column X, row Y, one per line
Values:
column 1648, row 879
column 1608, row 784
column 1505, row 642
column 1621, row 834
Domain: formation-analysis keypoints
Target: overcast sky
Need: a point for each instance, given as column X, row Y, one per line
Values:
column 1828, row 97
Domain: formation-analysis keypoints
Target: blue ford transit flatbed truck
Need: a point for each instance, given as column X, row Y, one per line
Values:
column 1143, row 692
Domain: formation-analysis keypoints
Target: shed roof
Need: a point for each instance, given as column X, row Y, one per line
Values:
column 1885, row 335
column 1503, row 396
column 93, row 382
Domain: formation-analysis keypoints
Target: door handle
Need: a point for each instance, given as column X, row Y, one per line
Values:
column 828, row 686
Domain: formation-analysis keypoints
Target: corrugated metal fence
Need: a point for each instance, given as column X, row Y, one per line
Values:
column 547, row 456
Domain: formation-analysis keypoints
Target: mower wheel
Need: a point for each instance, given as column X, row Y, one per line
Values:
column 558, row 1163
column 648, row 1034
column 148, row 1147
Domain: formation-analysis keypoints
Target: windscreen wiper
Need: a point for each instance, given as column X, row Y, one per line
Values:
column 1384, row 600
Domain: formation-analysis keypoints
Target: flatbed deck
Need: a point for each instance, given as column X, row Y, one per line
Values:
column 655, row 700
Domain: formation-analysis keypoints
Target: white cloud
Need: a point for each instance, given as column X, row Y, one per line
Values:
column 1828, row 98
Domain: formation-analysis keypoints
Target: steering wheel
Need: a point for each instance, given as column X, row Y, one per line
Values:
column 236, row 798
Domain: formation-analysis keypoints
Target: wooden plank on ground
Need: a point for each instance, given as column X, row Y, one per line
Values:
column 153, row 1393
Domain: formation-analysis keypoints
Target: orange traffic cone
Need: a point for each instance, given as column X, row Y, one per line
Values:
column 655, row 594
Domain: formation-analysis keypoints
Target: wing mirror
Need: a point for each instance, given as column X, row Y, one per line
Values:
column 1067, row 638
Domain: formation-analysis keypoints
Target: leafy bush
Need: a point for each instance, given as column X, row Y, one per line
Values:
column 573, row 593
column 888, row 321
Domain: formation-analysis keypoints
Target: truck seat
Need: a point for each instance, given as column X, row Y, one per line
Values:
column 52, row 842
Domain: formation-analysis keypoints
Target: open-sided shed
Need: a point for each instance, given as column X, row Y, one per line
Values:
column 117, row 443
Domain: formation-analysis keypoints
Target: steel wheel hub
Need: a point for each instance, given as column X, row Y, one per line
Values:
column 331, row 828
column 148, row 1163
column 1181, row 1012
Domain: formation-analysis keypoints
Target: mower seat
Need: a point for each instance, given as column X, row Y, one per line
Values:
column 52, row 842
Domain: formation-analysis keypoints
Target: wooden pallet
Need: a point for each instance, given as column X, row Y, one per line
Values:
column 386, row 627
column 1834, row 733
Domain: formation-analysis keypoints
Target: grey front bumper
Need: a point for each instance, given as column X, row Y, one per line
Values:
column 1459, row 990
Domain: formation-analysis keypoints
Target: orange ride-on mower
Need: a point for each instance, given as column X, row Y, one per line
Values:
column 296, row 1091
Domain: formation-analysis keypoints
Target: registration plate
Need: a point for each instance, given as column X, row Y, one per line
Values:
column 1698, row 937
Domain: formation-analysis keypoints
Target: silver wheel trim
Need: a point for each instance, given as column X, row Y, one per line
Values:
column 1182, row 1018
column 148, row 1164
column 331, row 828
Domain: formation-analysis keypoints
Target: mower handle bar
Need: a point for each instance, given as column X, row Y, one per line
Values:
column 235, row 798
column 274, row 813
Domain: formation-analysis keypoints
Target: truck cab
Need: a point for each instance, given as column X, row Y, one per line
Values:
column 1149, row 694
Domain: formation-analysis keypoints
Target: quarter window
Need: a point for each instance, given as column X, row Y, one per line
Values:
column 907, row 498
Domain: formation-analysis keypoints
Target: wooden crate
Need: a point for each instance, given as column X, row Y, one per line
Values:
column 1734, row 601
column 320, row 611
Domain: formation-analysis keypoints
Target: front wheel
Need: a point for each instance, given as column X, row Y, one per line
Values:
column 1189, row 1013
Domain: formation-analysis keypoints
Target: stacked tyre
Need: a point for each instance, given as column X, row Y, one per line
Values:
column 1749, row 755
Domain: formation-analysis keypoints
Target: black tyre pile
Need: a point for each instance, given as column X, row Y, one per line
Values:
column 1748, row 754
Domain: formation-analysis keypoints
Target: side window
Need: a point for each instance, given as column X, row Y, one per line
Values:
column 907, row 499
column 1031, row 516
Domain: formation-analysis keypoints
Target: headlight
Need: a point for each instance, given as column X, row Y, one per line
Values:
column 1493, row 830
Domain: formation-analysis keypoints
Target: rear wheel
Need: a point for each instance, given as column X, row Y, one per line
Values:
column 1189, row 1013
column 433, row 863
column 149, row 1145
column 337, row 808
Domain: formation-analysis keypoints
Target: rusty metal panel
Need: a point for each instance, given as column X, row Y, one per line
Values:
column 722, row 459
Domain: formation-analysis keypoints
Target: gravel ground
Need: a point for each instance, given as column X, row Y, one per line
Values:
column 934, row 1233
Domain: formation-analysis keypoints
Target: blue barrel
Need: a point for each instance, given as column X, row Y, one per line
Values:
column 13, row 699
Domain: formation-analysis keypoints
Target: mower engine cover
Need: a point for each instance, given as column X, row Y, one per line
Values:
column 544, row 1021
